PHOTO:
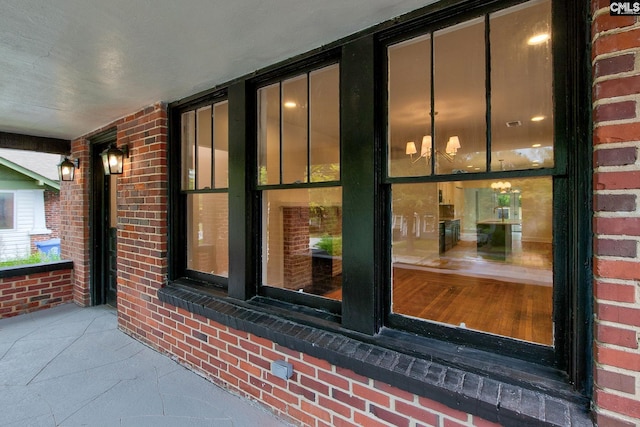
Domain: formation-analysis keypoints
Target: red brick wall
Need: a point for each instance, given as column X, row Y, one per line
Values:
column 616, row 92
column 295, row 245
column 23, row 294
column 319, row 394
column 52, row 212
column 74, row 222
column 52, row 218
column 142, row 218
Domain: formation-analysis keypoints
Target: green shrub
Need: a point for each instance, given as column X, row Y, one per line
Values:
column 331, row 245
column 35, row 258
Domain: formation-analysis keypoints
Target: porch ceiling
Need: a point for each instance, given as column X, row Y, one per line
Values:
column 71, row 66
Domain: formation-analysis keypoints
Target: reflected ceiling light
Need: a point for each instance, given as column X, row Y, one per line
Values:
column 411, row 149
column 452, row 146
column 469, row 166
column 536, row 145
column 501, row 187
column 290, row 104
column 537, row 118
column 426, row 150
column 535, row 164
column 538, row 39
column 67, row 169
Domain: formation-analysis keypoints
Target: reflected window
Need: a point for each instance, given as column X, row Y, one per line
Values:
column 7, row 210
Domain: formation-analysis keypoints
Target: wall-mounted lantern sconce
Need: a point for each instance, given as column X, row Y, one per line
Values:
column 67, row 169
column 113, row 159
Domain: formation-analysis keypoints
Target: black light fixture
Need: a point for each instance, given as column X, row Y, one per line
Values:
column 67, row 169
column 113, row 159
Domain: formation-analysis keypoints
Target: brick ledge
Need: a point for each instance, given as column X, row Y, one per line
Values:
column 491, row 399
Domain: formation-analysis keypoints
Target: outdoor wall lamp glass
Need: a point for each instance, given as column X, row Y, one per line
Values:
column 67, row 169
column 113, row 159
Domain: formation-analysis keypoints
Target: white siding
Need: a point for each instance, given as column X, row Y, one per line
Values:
column 16, row 243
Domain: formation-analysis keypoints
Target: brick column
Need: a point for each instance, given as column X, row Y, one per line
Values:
column 616, row 92
column 297, row 258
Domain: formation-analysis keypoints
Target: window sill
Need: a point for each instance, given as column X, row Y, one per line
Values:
column 496, row 389
column 25, row 269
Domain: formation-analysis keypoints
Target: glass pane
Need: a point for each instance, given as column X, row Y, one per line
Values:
column 409, row 121
column 460, row 98
column 221, row 144
column 6, row 211
column 203, row 130
column 324, row 93
column 294, row 130
column 208, row 233
column 269, row 135
column 521, row 88
column 302, row 240
column 188, row 150
column 476, row 255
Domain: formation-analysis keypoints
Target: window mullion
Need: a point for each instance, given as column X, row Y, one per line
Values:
column 213, row 148
column 487, row 64
column 280, row 132
column 308, row 128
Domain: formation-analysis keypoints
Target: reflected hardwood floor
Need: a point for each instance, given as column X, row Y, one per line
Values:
column 510, row 309
column 498, row 307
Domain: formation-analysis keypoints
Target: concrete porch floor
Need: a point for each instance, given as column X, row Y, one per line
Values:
column 71, row 366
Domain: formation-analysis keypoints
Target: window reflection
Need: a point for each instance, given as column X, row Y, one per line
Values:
column 188, row 150
column 410, row 107
column 324, row 123
column 521, row 88
column 303, row 240
column 221, row 144
column 204, row 154
column 299, row 129
column 269, row 135
column 208, row 233
column 460, row 97
column 465, row 250
column 294, row 130
column 515, row 98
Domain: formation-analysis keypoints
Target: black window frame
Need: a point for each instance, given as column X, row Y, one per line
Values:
column 558, row 173
column 364, row 313
column 330, row 309
column 178, row 264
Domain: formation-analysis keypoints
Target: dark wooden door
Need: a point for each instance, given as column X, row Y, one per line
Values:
column 104, row 231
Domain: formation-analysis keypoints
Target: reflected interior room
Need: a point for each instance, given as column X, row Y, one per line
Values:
column 466, row 253
column 474, row 253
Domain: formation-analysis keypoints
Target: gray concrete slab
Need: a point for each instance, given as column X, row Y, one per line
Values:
column 71, row 366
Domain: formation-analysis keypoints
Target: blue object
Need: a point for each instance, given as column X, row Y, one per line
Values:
column 49, row 247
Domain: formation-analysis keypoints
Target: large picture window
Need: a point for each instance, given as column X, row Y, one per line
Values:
column 471, row 175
